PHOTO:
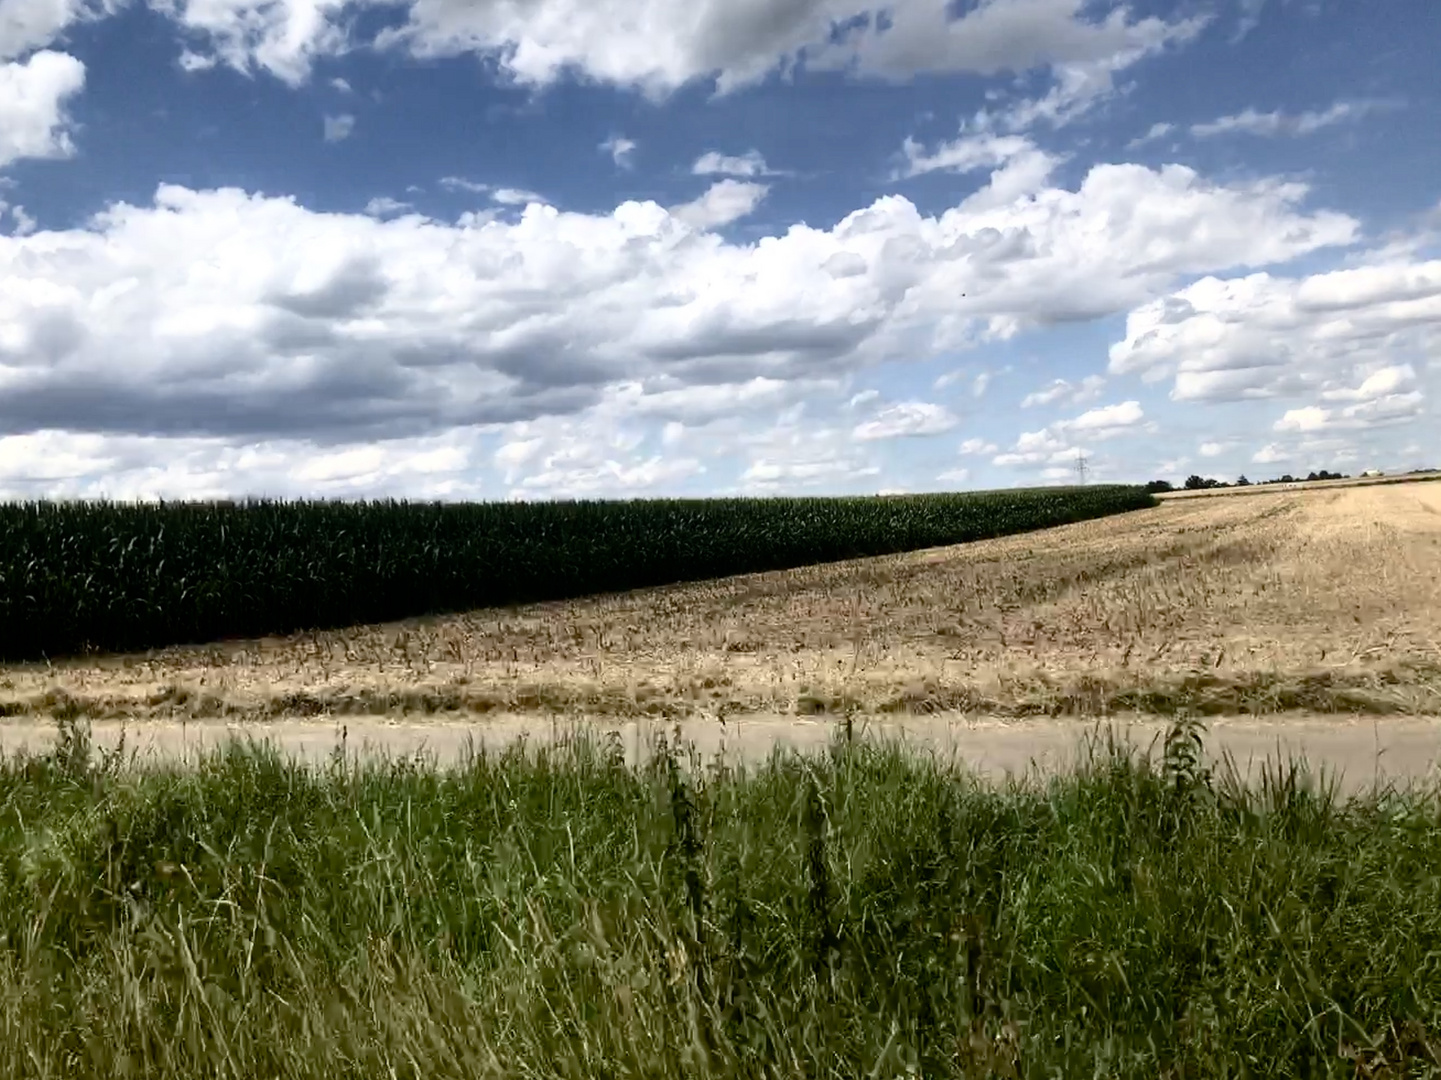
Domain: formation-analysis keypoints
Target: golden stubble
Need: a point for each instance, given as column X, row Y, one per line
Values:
column 1325, row 600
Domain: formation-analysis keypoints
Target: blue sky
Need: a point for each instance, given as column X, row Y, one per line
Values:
column 620, row 248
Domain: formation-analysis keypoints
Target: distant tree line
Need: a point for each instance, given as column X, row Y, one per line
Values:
column 1201, row 483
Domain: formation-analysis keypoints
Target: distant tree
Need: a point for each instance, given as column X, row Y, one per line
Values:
column 1157, row 486
column 1194, row 483
column 1286, row 479
column 1243, row 482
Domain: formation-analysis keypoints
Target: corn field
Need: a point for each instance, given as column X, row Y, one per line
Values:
column 83, row 577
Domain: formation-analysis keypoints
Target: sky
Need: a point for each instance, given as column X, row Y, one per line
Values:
column 533, row 249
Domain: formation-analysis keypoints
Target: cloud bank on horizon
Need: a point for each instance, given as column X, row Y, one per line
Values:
column 539, row 249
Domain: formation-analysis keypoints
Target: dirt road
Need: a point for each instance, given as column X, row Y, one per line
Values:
column 1357, row 751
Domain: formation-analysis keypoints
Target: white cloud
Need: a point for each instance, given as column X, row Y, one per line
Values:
column 1020, row 169
column 1105, row 421
column 1065, row 392
column 1058, row 444
column 978, row 446
column 1251, row 122
column 384, row 206
column 862, row 398
column 460, row 183
column 1382, row 382
column 230, row 315
column 999, row 36
column 26, row 25
column 507, row 196
column 659, row 45
column 33, row 95
column 980, row 384
column 620, row 149
column 24, row 223
column 723, row 202
column 1158, row 130
column 1271, row 454
column 1250, row 18
column 965, row 154
column 954, row 476
column 1212, row 449
column 567, row 458
column 340, row 84
column 339, row 127
column 713, row 163
column 63, row 464
column 192, row 62
column 1383, row 410
column 907, row 418
column 1357, row 335
column 282, row 37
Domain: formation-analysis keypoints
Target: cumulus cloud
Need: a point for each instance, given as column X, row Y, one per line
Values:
column 1059, row 443
column 1019, row 167
column 1357, row 335
column 714, row 163
column 26, row 25
column 1063, row 391
column 64, row 464
column 281, row 37
column 1384, row 410
column 977, row 446
column 1271, row 454
column 1382, row 382
column 801, row 451
column 995, row 37
column 234, row 315
column 33, row 95
column 907, row 418
column 1251, row 122
column 1105, row 422
column 659, row 45
column 723, row 202
column 563, row 457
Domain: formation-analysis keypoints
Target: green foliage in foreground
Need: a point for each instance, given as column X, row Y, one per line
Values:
column 561, row 914
column 119, row 577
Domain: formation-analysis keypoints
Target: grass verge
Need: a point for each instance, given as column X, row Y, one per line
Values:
column 556, row 912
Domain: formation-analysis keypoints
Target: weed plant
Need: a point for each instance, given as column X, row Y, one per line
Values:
column 554, row 911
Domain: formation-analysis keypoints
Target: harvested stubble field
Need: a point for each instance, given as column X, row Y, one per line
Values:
column 1323, row 601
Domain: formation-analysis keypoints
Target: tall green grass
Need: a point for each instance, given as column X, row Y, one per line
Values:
column 119, row 577
column 555, row 912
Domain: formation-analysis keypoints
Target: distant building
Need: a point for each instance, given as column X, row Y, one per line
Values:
column 1373, row 472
